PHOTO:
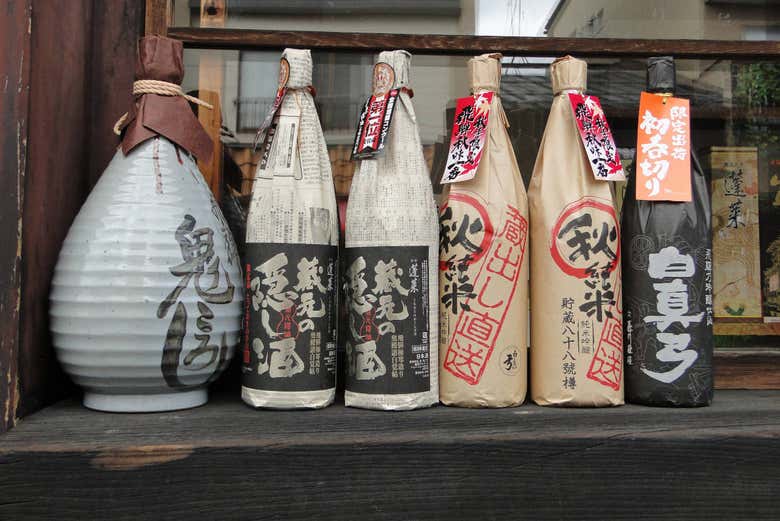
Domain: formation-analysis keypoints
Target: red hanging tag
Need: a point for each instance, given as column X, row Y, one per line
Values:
column 469, row 132
column 596, row 138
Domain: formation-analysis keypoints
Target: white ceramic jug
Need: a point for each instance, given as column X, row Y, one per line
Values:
column 146, row 300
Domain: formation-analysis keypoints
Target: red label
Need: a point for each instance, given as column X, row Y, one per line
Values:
column 483, row 310
column 663, row 157
column 469, row 131
column 374, row 125
column 597, row 138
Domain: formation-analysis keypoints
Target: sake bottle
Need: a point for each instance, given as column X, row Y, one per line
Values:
column 391, row 259
column 483, row 254
column 576, row 319
column 291, row 255
column 667, row 277
column 146, row 299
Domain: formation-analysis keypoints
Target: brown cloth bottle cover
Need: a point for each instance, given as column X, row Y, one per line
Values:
column 492, row 209
column 150, row 115
column 576, row 317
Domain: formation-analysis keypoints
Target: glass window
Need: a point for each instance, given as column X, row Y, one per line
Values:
column 697, row 19
column 735, row 132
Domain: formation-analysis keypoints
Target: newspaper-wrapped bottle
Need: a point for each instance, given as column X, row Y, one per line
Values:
column 391, row 265
column 146, row 298
column 667, row 263
column 484, row 268
column 576, row 320
column 291, row 256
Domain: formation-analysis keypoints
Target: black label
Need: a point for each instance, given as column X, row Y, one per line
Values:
column 290, row 313
column 386, row 291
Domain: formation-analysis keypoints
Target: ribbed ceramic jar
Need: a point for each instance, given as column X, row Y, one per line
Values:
column 146, row 300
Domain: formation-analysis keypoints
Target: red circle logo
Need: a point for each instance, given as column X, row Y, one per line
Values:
column 468, row 241
column 585, row 239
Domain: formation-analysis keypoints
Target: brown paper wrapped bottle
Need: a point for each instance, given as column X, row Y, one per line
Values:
column 576, row 316
column 483, row 261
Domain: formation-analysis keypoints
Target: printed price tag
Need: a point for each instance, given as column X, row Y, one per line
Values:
column 280, row 149
column 663, row 149
column 469, row 131
column 596, row 138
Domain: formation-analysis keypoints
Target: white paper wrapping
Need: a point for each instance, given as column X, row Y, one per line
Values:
column 391, row 204
column 297, row 209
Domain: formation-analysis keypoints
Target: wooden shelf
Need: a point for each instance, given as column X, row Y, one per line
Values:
column 211, row 38
column 226, row 461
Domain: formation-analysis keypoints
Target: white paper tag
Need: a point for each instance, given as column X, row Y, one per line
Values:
column 280, row 149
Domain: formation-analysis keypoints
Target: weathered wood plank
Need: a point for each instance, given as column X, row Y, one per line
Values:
column 158, row 16
column 747, row 368
column 116, row 26
column 14, row 100
column 56, row 184
column 211, row 38
column 226, row 461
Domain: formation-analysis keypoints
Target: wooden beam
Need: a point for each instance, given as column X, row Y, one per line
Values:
column 226, row 461
column 747, row 368
column 14, row 99
column 212, row 38
column 213, row 13
column 158, row 17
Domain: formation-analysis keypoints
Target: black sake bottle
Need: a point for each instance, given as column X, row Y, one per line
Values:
column 667, row 286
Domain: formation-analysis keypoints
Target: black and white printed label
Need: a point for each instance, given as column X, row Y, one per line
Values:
column 280, row 149
column 386, row 291
column 290, row 317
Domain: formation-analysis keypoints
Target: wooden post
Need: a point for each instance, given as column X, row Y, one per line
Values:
column 158, row 17
column 14, row 98
column 213, row 13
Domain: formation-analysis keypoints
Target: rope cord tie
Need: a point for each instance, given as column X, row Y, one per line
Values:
column 161, row 88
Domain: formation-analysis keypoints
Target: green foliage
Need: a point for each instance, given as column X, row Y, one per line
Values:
column 757, row 88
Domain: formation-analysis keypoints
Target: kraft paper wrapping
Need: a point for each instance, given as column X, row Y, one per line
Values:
column 576, row 319
column 485, row 367
column 667, row 280
column 296, row 210
column 391, row 205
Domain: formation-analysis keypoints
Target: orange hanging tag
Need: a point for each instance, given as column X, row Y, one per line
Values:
column 663, row 149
